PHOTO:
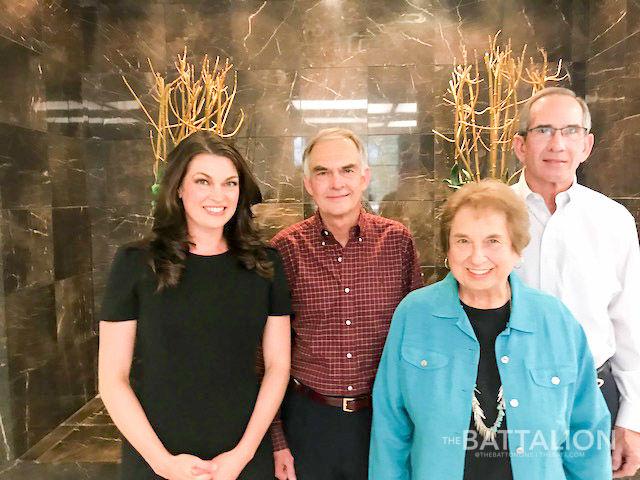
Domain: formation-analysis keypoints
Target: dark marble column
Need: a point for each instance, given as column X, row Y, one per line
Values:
column 47, row 339
column 612, row 93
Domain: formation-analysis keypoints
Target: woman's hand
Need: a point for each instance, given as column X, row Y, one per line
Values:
column 185, row 467
column 228, row 465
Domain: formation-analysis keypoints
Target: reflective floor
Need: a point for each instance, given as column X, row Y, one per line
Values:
column 85, row 446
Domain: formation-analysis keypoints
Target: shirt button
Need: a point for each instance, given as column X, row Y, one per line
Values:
column 424, row 363
column 349, row 388
column 514, row 402
column 359, row 239
column 325, row 233
column 348, row 322
column 324, row 243
column 555, row 380
column 346, row 290
column 520, row 450
column 505, row 359
column 339, row 259
column 349, row 355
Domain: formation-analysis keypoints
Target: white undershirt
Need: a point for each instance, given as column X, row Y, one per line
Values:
column 587, row 255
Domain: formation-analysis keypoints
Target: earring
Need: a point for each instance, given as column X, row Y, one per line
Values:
column 520, row 263
column 446, row 263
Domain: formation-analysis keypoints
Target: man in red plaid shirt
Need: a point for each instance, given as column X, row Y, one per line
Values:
column 347, row 270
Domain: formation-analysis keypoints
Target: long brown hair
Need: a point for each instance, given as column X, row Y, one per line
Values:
column 169, row 240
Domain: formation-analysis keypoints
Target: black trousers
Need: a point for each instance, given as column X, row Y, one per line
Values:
column 609, row 390
column 326, row 443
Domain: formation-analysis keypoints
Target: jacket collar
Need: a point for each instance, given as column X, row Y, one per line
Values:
column 448, row 305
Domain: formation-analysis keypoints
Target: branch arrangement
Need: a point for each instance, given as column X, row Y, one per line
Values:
column 191, row 102
column 483, row 135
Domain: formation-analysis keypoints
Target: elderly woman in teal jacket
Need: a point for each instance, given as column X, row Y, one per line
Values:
column 482, row 377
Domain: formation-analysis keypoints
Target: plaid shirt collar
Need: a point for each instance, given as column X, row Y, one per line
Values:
column 359, row 231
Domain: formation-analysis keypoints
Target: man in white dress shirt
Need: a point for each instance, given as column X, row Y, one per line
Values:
column 584, row 250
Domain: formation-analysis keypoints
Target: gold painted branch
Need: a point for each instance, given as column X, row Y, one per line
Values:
column 190, row 103
column 482, row 138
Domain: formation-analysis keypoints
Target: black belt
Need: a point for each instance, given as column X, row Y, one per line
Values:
column 605, row 367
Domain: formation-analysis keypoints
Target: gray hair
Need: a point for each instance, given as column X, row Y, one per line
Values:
column 333, row 134
column 525, row 113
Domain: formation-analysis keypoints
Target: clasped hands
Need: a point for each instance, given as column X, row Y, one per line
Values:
column 226, row 466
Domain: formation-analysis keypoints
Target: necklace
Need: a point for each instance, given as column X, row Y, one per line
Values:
column 488, row 433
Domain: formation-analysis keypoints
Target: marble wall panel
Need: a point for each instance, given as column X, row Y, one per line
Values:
column 332, row 97
column 402, row 167
column 254, row 34
column 65, row 111
column 400, row 99
column 27, row 253
column 418, row 217
column 400, row 33
column 277, row 163
column 112, row 227
column 74, row 309
column 605, row 68
column 443, row 161
column 334, row 34
column 124, row 35
column 68, row 32
column 464, row 23
column 205, row 28
column 24, row 170
column 6, row 434
column 549, row 24
column 31, row 328
column 580, row 32
column 63, row 65
column 273, row 217
column 115, row 226
column 69, row 36
column 267, row 33
column 71, row 241
column 59, row 388
column 273, row 113
column 633, row 39
column 67, row 169
column 112, row 112
column 241, row 116
column 119, row 172
column 15, row 424
column 22, row 86
column 21, row 23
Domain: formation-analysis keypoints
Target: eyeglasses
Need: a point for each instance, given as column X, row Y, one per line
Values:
column 570, row 132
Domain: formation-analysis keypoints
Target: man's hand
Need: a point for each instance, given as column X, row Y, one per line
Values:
column 284, row 465
column 626, row 452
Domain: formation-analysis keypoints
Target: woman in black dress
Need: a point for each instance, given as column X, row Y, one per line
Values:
column 196, row 299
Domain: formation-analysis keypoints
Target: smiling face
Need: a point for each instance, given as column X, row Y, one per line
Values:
column 337, row 178
column 209, row 192
column 481, row 255
column 551, row 162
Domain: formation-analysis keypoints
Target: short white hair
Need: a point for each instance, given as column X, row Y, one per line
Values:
column 525, row 113
column 333, row 134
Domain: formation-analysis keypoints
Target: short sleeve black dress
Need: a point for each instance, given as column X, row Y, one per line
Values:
column 194, row 370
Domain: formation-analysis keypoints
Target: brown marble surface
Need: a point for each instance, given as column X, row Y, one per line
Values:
column 75, row 161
